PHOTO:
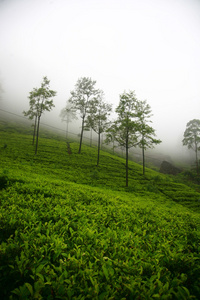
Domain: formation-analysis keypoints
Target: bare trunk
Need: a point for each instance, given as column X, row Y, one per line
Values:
column 127, row 161
column 102, row 142
column 99, row 134
column 67, row 130
column 34, row 132
column 143, row 159
column 81, row 138
column 37, row 137
column 91, row 137
column 196, row 153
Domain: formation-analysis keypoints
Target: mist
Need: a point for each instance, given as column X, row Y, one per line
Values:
column 151, row 47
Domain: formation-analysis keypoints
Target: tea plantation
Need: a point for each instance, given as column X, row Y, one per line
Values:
column 69, row 230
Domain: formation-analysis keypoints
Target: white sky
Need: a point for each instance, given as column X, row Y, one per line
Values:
column 150, row 46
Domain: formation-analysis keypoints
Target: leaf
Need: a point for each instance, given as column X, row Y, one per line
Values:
column 40, row 276
column 111, row 271
column 102, row 296
column 29, row 287
column 156, row 296
column 39, row 269
column 105, row 271
column 11, row 266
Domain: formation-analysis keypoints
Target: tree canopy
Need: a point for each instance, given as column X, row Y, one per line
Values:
column 147, row 133
column 98, row 117
column 124, row 130
column 68, row 114
column 40, row 100
column 192, row 138
column 131, row 127
column 81, row 100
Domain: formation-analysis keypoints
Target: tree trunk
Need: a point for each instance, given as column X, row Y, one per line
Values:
column 99, row 141
column 81, row 138
column 34, row 132
column 143, row 160
column 196, row 153
column 127, row 161
column 37, row 137
column 67, row 129
column 91, row 137
column 102, row 142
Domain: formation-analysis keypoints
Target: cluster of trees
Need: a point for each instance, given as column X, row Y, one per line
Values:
column 130, row 129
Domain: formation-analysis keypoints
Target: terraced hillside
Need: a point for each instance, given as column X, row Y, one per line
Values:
column 69, row 230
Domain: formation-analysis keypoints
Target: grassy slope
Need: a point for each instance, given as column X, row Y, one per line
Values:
column 72, row 231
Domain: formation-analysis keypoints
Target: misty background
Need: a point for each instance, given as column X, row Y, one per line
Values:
column 150, row 46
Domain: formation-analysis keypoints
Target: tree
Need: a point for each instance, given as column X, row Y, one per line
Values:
column 81, row 99
column 32, row 112
column 147, row 133
column 40, row 100
column 125, row 128
column 68, row 114
column 192, row 138
column 98, row 117
column 111, row 134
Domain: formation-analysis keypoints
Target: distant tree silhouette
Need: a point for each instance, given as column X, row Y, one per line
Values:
column 40, row 100
column 68, row 114
column 32, row 112
column 81, row 100
column 98, row 117
column 125, row 129
column 192, row 138
column 147, row 133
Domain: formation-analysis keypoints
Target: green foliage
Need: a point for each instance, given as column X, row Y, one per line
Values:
column 68, row 114
column 192, row 134
column 40, row 100
column 192, row 138
column 147, row 139
column 3, row 181
column 98, row 117
column 68, row 231
column 126, row 130
column 81, row 99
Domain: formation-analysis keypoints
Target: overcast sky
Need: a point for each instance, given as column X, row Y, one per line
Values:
column 150, row 46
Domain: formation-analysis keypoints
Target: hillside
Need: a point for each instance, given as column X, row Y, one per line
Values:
column 70, row 230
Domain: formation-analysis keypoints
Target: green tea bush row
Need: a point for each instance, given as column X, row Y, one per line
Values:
column 75, row 242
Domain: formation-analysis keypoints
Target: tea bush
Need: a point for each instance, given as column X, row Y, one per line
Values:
column 70, row 231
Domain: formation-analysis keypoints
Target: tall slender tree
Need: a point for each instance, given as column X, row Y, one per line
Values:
column 32, row 112
column 192, row 138
column 111, row 134
column 40, row 100
column 68, row 114
column 98, row 117
column 125, row 128
column 81, row 99
column 147, row 133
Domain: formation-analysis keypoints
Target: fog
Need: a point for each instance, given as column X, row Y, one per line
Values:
column 151, row 47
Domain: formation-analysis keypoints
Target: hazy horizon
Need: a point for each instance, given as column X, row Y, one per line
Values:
column 151, row 47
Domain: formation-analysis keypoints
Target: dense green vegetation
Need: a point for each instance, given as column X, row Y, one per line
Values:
column 69, row 230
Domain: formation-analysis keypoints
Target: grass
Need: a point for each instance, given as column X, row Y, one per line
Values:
column 70, row 230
